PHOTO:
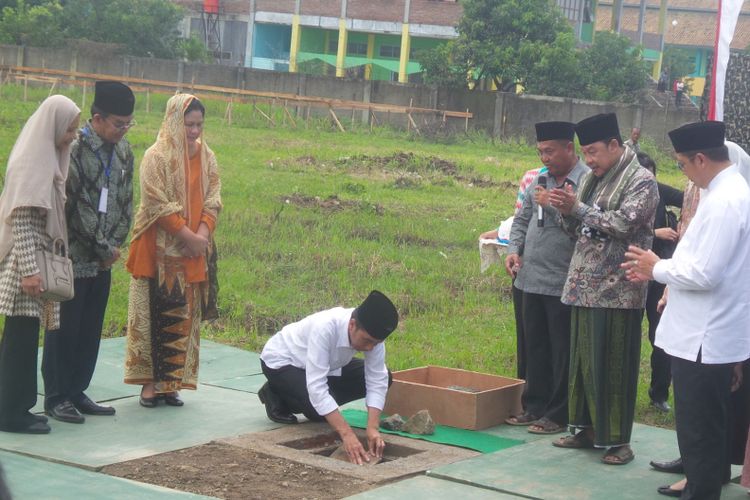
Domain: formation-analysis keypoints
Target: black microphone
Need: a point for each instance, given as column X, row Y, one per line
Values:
column 541, row 182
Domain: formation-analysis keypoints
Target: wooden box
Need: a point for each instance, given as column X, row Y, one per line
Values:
column 458, row 398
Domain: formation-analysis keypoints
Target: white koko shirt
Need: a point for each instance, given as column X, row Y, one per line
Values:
column 708, row 307
column 319, row 344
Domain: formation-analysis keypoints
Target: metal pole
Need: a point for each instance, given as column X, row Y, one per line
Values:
column 641, row 20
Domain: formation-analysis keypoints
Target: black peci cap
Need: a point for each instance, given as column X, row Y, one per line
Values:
column 555, row 131
column 114, row 98
column 698, row 136
column 377, row 315
column 598, row 128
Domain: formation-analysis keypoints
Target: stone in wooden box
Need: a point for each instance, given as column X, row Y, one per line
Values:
column 458, row 398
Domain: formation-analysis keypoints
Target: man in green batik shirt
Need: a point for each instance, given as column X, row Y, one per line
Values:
column 98, row 212
column 614, row 207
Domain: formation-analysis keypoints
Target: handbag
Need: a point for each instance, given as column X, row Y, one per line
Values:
column 57, row 272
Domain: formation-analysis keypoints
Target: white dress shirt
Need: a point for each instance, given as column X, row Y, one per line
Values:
column 709, row 291
column 319, row 344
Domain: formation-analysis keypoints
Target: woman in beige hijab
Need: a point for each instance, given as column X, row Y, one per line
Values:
column 170, row 254
column 32, row 214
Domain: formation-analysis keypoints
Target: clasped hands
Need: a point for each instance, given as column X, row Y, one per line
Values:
column 194, row 244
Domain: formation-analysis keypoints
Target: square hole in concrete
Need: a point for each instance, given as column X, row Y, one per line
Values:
column 325, row 444
column 312, row 443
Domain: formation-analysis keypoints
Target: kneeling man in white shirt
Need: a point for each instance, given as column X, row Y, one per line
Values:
column 705, row 323
column 311, row 369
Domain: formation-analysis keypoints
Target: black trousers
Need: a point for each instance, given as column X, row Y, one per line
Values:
column 701, row 397
column 661, row 373
column 70, row 353
column 18, row 353
column 520, row 341
column 546, row 326
column 290, row 384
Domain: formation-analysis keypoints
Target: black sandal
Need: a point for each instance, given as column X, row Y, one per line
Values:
column 148, row 402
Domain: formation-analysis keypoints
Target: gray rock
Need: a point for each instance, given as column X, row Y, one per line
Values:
column 393, row 423
column 420, row 423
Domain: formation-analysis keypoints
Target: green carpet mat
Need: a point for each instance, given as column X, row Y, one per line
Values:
column 473, row 440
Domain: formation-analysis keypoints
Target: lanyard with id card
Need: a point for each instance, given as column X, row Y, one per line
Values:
column 104, row 194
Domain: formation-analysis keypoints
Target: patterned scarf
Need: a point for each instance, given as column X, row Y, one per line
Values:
column 164, row 171
column 611, row 185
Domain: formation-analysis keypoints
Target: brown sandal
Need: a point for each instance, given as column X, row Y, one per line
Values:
column 522, row 419
column 618, row 455
column 546, row 426
column 577, row 441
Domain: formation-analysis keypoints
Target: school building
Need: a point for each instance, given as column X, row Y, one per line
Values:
column 371, row 39
column 382, row 39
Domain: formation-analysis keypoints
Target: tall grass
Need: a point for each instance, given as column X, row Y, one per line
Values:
column 315, row 218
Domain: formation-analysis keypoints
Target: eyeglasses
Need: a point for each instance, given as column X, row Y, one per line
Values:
column 123, row 126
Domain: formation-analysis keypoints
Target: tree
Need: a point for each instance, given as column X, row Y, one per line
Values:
column 193, row 49
column 440, row 68
column 12, row 3
column 144, row 27
column 493, row 34
column 615, row 69
column 679, row 62
column 27, row 24
column 555, row 69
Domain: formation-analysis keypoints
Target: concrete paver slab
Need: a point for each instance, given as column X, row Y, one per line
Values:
column 33, row 478
column 221, row 362
column 217, row 362
column 432, row 488
column 107, row 382
column 519, row 432
column 539, row 470
column 209, row 413
column 247, row 383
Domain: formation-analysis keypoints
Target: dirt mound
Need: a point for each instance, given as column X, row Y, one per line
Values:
column 409, row 162
column 331, row 204
column 401, row 161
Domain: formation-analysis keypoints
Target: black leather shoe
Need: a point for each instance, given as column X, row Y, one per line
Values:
column 662, row 406
column 172, row 399
column 85, row 405
column 37, row 427
column 275, row 409
column 669, row 492
column 673, row 467
column 37, row 418
column 66, row 412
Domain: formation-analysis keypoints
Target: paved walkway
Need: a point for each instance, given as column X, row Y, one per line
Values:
column 63, row 465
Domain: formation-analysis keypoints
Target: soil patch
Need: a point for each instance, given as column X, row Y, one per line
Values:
column 331, row 204
column 224, row 471
column 410, row 162
column 396, row 164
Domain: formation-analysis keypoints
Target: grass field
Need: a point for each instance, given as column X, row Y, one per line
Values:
column 315, row 218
